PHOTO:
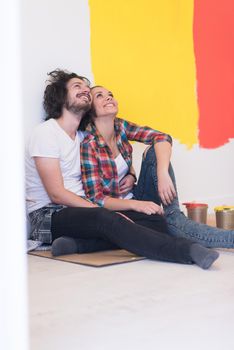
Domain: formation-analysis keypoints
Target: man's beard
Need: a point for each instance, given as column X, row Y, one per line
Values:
column 77, row 108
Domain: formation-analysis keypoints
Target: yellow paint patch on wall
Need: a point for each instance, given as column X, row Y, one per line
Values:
column 143, row 52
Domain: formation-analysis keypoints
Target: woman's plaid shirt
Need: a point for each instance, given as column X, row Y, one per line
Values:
column 99, row 172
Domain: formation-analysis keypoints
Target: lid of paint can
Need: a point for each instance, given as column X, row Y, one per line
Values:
column 224, row 208
column 195, row 205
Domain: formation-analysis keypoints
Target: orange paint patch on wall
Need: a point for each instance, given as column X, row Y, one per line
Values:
column 214, row 52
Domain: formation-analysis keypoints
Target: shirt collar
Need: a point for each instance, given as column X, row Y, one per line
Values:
column 100, row 140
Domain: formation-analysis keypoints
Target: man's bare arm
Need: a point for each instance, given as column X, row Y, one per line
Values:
column 51, row 177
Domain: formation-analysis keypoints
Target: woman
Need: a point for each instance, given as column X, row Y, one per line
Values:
column 107, row 148
column 107, row 157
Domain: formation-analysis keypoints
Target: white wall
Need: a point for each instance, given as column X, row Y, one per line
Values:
column 56, row 34
column 205, row 175
column 13, row 294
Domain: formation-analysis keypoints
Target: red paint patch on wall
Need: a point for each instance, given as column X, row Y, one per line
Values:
column 214, row 54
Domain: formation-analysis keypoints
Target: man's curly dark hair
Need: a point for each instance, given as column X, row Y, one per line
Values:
column 56, row 92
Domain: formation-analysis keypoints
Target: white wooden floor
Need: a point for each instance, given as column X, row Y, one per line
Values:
column 141, row 305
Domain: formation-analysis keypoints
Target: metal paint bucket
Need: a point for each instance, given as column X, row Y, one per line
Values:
column 197, row 211
column 225, row 217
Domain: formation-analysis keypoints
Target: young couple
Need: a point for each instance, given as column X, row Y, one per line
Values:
column 98, row 208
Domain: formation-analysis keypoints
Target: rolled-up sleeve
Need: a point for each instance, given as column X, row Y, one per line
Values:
column 143, row 134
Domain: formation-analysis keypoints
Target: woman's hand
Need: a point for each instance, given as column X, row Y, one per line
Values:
column 166, row 188
column 126, row 184
column 146, row 207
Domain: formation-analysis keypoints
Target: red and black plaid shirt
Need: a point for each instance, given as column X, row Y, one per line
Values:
column 99, row 172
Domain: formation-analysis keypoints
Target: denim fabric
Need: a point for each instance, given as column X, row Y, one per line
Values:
column 100, row 223
column 40, row 220
column 41, row 235
column 178, row 224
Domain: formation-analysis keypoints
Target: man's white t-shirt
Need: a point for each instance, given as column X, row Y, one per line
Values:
column 49, row 140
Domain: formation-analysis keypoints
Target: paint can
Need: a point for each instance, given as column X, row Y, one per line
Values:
column 225, row 217
column 197, row 211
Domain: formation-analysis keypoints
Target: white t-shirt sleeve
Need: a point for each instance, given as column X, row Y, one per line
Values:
column 44, row 142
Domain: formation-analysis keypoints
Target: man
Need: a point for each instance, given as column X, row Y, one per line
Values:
column 56, row 203
column 66, row 100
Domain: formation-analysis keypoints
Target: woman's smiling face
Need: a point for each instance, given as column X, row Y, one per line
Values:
column 103, row 102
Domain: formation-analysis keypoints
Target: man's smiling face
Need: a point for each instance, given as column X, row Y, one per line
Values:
column 78, row 96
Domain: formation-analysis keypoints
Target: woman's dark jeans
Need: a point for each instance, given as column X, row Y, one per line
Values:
column 100, row 223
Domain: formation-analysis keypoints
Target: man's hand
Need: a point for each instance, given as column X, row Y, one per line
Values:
column 126, row 184
column 166, row 188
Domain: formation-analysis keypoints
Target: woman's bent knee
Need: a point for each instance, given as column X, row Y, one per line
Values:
column 146, row 151
column 149, row 154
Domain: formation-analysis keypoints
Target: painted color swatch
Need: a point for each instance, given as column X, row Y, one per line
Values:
column 214, row 51
column 170, row 64
column 143, row 52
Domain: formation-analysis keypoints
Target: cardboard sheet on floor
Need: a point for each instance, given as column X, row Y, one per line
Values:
column 98, row 259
